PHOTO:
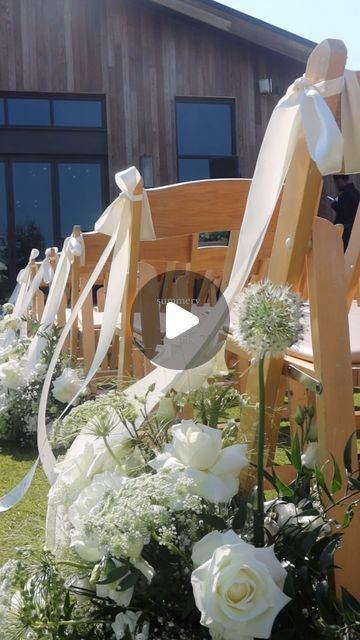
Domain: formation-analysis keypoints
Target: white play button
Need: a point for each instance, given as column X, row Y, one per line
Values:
column 178, row 320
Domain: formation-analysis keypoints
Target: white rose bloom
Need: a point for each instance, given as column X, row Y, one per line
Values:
column 67, row 385
column 125, row 621
column 311, row 457
column 11, row 374
column 237, row 588
column 86, row 458
column 86, row 545
column 197, row 451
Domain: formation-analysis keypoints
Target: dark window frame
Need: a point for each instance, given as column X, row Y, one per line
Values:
column 53, row 97
column 8, row 160
column 206, row 100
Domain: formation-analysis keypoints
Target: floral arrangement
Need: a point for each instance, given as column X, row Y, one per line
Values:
column 148, row 537
column 20, row 395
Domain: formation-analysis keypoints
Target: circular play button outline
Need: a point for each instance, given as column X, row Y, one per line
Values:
column 172, row 326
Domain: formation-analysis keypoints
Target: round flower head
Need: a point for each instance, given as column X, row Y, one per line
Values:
column 268, row 319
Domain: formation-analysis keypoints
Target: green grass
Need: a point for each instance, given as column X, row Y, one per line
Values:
column 25, row 523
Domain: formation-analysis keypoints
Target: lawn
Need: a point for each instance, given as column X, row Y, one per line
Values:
column 26, row 522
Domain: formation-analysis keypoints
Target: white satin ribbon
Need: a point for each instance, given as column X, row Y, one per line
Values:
column 23, row 278
column 115, row 222
column 56, row 292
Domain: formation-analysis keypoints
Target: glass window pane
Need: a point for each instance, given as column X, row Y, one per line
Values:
column 32, row 192
column 3, row 214
column 29, row 111
column 204, row 129
column 77, row 113
column 80, row 193
column 193, row 169
column 2, row 112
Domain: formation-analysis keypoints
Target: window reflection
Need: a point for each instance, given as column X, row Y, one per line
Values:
column 80, row 194
column 28, row 111
column 204, row 128
column 33, row 208
column 193, row 169
column 77, row 113
column 4, row 258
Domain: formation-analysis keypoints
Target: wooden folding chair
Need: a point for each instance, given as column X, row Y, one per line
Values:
column 331, row 377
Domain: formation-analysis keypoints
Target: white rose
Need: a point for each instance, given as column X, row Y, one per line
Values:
column 125, row 621
column 237, row 588
column 67, row 385
column 197, row 451
column 86, row 458
column 11, row 375
column 311, row 457
column 86, row 544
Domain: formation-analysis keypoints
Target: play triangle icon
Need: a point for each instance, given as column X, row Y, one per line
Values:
column 178, row 320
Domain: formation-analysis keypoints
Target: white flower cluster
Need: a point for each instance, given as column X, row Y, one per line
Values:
column 117, row 515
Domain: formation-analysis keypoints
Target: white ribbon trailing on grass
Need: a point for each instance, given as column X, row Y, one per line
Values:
column 302, row 109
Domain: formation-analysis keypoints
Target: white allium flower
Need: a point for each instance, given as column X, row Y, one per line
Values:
column 67, row 385
column 11, row 374
column 196, row 451
column 311, row 457
column 237, row 587
column 268, row 319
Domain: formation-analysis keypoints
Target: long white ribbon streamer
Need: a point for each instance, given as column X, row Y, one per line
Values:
column 302, row 109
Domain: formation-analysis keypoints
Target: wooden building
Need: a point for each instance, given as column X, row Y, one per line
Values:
column 183, row 89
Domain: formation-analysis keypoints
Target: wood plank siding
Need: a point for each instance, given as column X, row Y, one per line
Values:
column 140, row 55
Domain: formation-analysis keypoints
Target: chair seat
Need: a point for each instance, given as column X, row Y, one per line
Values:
column 303, row 350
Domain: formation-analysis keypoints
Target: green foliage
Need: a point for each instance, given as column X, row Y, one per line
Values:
column 66, row 429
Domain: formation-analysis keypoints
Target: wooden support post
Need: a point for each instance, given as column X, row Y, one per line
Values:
column 332, row 364
column 125, row 347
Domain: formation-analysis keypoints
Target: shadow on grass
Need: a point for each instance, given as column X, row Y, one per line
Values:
column 16, row 451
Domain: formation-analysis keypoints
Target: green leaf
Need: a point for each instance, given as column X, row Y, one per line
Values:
column 350, row 602
column 296, row 453
column 310, row 538
column 336, row 482
column 283, row 489
column 354, row 483
column 327, row 555
column 289, row 586
column 348, row 451
column 214, row 521
column 321, row 483
column 240, row 516
column 325, row 604
column 349, row 514
column 115, row 574
column 129, row 581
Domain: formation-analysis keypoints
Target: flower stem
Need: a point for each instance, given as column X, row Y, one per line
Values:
column 118, row 463
column 259, row 512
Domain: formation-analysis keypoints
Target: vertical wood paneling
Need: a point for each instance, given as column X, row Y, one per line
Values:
column 140, row 56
